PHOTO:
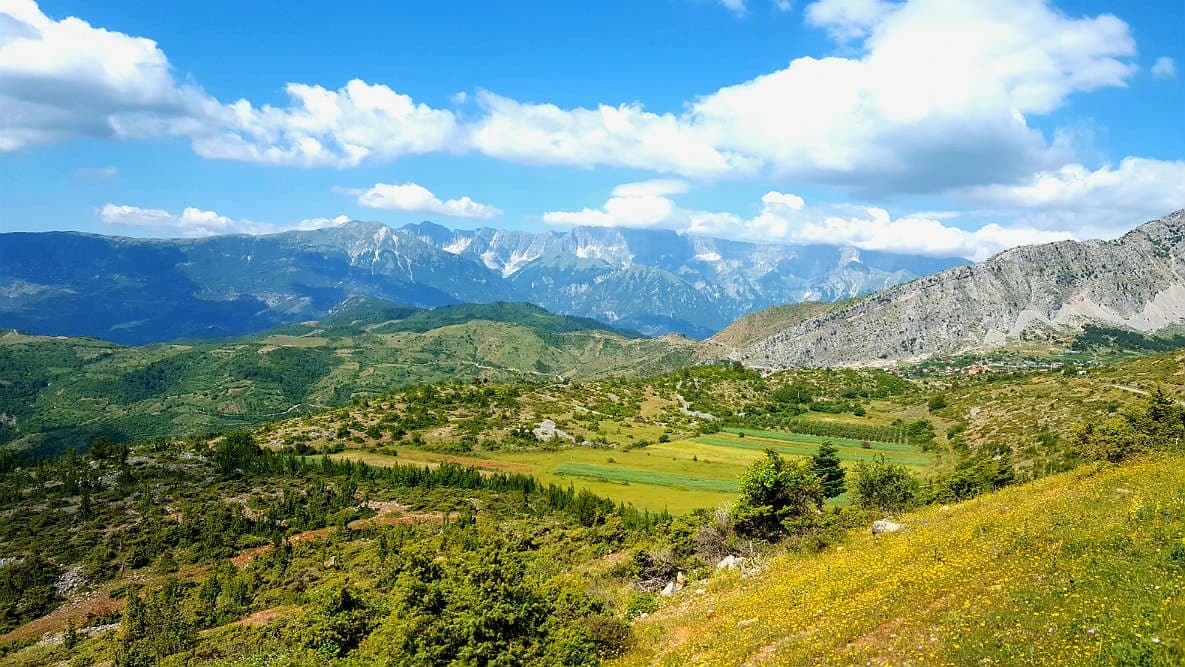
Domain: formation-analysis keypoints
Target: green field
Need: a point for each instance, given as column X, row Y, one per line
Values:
column 628, row 476
column 819, row 439
column 677, row 476
column 793, row 444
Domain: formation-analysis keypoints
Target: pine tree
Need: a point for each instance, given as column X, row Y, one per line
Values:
column 826, row 465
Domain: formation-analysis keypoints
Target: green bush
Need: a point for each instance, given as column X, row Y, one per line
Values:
column 883, row 486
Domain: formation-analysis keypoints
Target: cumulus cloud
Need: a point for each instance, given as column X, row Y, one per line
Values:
column 872, row 228
column 416, row 198
column 787, row 218
column 845, row 20
column 644, row 211
column 66, row 78
column 195, row 222
column 933, row 96
column 1164, row 67
column 320, row 127
column 937, row 97
column 60, row 79
column 1102, row 202
column 617, row 136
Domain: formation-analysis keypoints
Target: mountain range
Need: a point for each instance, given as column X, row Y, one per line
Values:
column 147, row 290
column 1135, row 282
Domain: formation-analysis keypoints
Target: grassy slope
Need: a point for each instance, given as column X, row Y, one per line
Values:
column 1016, row 410
column 758, row 326
column 1086, row 567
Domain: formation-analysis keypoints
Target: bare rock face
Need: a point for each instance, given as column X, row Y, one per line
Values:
column 1136, row 281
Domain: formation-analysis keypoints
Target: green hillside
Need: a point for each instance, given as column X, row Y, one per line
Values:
column 57, row 393
column 1082, row 568
column 435, row 523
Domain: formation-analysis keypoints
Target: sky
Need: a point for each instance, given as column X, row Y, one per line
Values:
column 938, row 127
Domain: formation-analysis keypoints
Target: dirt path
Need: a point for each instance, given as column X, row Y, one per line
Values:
column 84, row 609
column 1136, row 390
column 685, row 408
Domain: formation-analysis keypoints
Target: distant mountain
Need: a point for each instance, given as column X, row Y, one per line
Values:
column 147, row 290
column 58, row 392
column 1135, row 283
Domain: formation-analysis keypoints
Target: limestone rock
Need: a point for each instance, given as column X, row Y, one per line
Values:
column 1136, row 282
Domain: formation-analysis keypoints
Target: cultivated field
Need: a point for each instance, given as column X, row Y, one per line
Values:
column 676, row 476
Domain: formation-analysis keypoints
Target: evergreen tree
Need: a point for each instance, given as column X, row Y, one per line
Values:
column 776, row 492
column 828, row 469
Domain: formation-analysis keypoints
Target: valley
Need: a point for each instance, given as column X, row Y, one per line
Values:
column 694, row 333
column 386, row 481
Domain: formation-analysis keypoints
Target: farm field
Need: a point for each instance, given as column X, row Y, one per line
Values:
column 797, row 444
column 677, row 476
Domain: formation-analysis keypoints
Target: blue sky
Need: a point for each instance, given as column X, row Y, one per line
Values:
column 928, row 126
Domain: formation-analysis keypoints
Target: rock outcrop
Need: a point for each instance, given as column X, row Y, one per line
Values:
column 1136, row 281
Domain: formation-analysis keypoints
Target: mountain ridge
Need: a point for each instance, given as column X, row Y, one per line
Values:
column 1136, row 281
column 132, row 290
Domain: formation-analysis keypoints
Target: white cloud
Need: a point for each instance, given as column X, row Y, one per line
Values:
column 735, row 6
column 621, row 136
column 1164, row 67
column 66, row 78
column 416, row 198
column 640, row 204
column 320, row 127
column 779, row 199
column 938, row 97
column 933, row 97
column 783, row 5
column 195, row 222
column 873, row 228
column 60, row 79
column 1103, row 202
column 846, row 20
column 786, row 218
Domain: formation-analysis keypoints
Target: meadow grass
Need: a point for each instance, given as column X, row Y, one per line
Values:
column 1082, row 568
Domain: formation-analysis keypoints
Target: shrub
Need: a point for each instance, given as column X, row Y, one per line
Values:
column 883, row 486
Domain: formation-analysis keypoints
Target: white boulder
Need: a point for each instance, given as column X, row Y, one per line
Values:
column 885, row 526
column 730, row 562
